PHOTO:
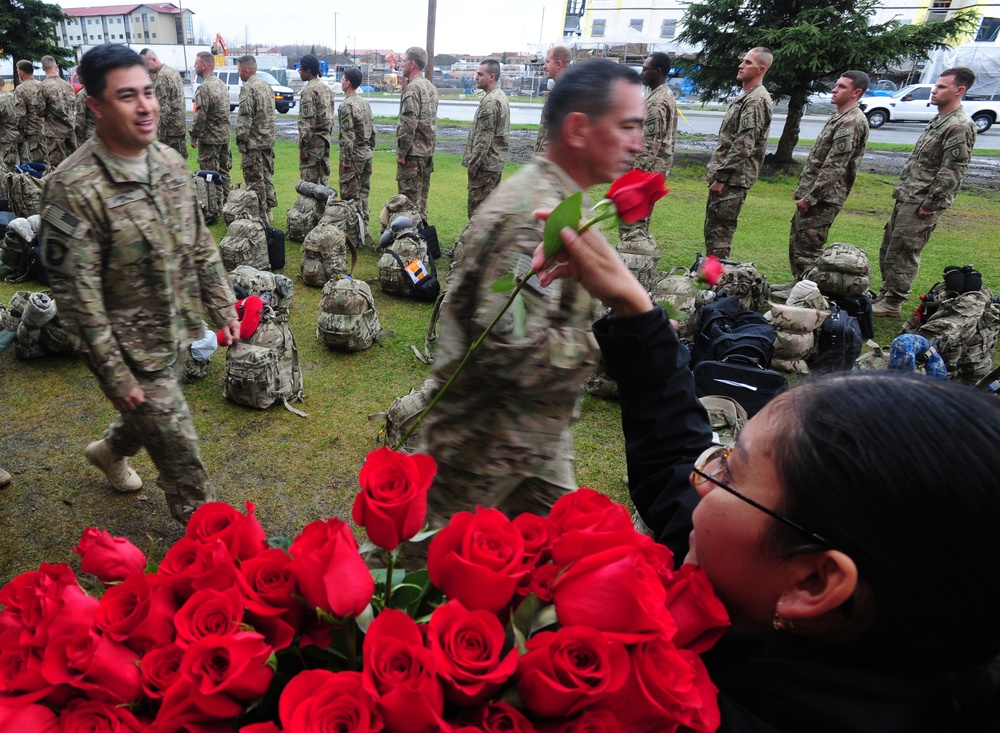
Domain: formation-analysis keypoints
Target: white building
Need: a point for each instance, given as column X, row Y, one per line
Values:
column 147, row 24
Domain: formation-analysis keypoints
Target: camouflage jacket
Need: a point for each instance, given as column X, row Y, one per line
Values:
column 659, row 129
column 934, row 171
column 86, row 122
column 742, row 139
column 543, row 129
column 357, row 130
column 211, row 116
column 29, row 105
column 170, row 92
column 835, row 157
column 416, row 133
column 8, row 119
column 130, row 261
column 315, row 113
column 509, row 411
column 488, row 142
column 58, row 108
column 255, row 120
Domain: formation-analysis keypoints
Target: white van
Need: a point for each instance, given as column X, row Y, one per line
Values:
column 284, row 97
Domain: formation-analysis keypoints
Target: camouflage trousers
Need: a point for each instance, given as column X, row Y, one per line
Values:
column 808, row 235
column 624, row 228
column 721, row 213
column 59, row 149
column 356, row 183
column 481, row 184
column 34, row 150
column 8, row 155
column 315, row 167
column 163, row 426
column 258, row 169
column 413, row 180
column 899, row 256
column 217, row 158
column 178, row 143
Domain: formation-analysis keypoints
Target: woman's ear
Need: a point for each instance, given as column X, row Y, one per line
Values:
column 820, row 582
column 574, row 128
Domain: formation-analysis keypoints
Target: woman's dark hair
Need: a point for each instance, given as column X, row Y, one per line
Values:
column 586, row 87
column 99, row 61
column 901, row 473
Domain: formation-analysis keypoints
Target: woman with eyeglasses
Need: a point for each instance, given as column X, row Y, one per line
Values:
column 852, row 531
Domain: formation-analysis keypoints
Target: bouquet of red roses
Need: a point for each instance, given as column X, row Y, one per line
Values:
column 571, row 622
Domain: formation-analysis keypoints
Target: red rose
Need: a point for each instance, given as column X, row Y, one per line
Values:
column 103, row 669
column 589, row 522
column 635, row 193
column 710, row 271
column 570, row 669
column 478, row 559
column 138, row 613
column 659, row 557
column 226, row 671
column 160, row 669
column 330, row 572
column 260, row 728
column 94, row 716
column 392, row 503
column 34, row 718
column 112, row 559
column 269, row 589
column 540, row 582
column 320, row 700
column 591, row 721
column 209, row 613
column 242, row 534
column 21, row 679
column 539, row 535
column 699, row 614
column 468, row 649
column 499, row 717
column 190, row 565
column 615, row 591
column 43, row 605
column 668, row 688
column 401, row 675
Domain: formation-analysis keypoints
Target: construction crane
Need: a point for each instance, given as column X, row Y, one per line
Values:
column 220, row 50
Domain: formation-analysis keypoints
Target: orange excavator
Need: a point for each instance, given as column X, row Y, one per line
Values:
column 220, row 50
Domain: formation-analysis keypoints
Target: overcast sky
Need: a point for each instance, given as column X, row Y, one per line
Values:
column 463, row 26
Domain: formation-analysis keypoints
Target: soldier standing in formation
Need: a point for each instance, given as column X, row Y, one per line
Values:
column 927, row 186
column 736, row 163
column 416, row 133
column 85, row 123
column 556, row 62
column 356, row 141
column 8, row 130
column 170, row 93
column 59, row 112
column 659, row 128
column 210, row 129
column 121, row 235
column 255, row 134
column 315, row 123
column 827, row 177
column 30, row 123
column 487, row 145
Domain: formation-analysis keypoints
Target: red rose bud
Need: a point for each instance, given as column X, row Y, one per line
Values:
column 699, row 614
column 635, row 193
column 330, row 572
column 710, row 271
column 112, row 559
column 392, row 503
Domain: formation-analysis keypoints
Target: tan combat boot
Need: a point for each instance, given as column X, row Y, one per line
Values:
column 881, row 309
column 119, row 474
column 5, row 479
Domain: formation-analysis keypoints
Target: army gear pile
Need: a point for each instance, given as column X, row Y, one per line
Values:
column 23, row 186
column 346, row 216
column 838, row 342
column 401, row 413
column 245, row 243
column 347, row 317
column 400, row 205
column 842, row 269
column 680, row 290
column 210, row 194
column 639, row 252
column 743, row 280
column 34, row 320
column 303, row 217
column 241, row 204
column 728, row 332
column 324, row 255
column 20, row 235
column 795, row 329
column 406, row 267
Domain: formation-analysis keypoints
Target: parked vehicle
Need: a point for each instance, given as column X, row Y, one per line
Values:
column 284, row 97
column 913, row 104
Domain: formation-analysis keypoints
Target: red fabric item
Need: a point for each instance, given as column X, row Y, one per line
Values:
column 249, row 311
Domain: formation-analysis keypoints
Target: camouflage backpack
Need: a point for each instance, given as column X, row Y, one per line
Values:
column 324, row 255
column 743, row 280
column 241, row 204
column 401, row 413
column 211, row 197
column 726, row 416
column 303, row 217
column 679, row 289
column 406, row 268
column 245, row 243
column 877, row 359
column 400, row 205
column 17, row 241
column 347, row 218
column 38, row 330
column 24, row 188
column 795, row 330
column 347, row 317
column 842, row 269
column 639, row 252
column 274, row 289
column 599, row 384
column 196, row 356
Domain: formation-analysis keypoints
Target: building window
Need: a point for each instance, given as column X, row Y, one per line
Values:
column 154, row 35
column 941, row 4
column 668, row 29
column 988, row 30
column 90, row 21
column 598, row 28
column 635, row 24
column 152, row 19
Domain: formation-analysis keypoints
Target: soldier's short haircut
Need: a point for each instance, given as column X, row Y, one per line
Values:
column 207, row 57
column 311, row 64
column 101, row 60
column 492, row 67
column 48, row 63
column 859, row 79
column 26, row 67
column 660, row 61
column 965, row 76
column 353, row 75
column 247, row 62
column 147, row 52
column 560, row 53
column 586, row 87
column 763, row 55
column 418, row 56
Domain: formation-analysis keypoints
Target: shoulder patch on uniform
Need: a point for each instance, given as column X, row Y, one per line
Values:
column 60, row 219
column 177, row 182
column 125, row 198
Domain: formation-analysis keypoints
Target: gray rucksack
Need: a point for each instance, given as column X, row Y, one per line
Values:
column 346, row 216
column 24, row 192
column 842, row 270
column 17, row 241
column 745, row 281
column 324, row 255
column 347, row 317
column 411, row 256
column 401, row 413
column 639, row 252
column 303, row 217
column 211, row 197
column 241, row 204
column 245, row 243
column 400, row 205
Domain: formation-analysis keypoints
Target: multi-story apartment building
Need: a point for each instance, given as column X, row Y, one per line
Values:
column 147, row 24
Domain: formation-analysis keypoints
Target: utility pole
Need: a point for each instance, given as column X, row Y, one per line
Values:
column 335, row 51
column 431, row 22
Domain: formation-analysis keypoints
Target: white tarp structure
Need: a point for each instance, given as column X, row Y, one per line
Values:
column 633, row 43
column 983, row 58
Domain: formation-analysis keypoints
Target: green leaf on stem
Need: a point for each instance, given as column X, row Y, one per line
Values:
column 505, row 283
column 566, row 214
column 520, row 316
column 671, row 311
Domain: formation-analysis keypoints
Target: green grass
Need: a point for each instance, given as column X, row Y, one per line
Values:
column 896, row 147
column 296, row 469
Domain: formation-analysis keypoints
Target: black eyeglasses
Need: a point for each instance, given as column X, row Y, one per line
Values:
column 721, row 453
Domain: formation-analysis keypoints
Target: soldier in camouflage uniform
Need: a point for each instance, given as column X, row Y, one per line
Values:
column 489, row 140
column 659, row 128
column 927, row 186
column 170, row 93
column 28, row 110
column 416, row 133
column 8, row 131
column 255, row 134
column 828, row 175
column 210, row 129
column 122, row 235
column 556, row 62
column 59, row 112
column 356, row 141
column 315, row 123
column 501, row 434
column 736, row 163
column 85, row 123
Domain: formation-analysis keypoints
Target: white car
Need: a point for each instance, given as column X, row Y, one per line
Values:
column 284, row 98
column 913, row 104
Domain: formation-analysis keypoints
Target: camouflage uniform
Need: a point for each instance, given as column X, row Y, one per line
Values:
column 173, row 121
column 86, row 122
column 132, row 265
column 736, row 163
column 501, row 434
column 8, row 131
column 826, row 180
column 210, row 129
column 315, row 129
column 486, row 147
column 255, row 139
column 659, row 130
column 930, row 180
column 543, row 130
column 59, row 112
column 416, row 135
column 356, row 141
column 30, row 122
